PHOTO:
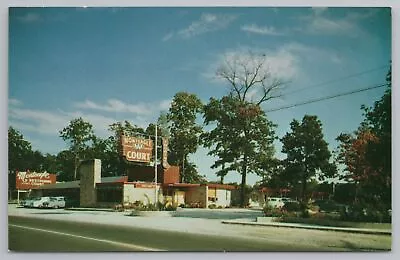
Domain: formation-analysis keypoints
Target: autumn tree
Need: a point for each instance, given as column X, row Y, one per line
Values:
column 242, row 137
column 378, row 119
column 307, row 152
column 367, row 152
column 79, row 134
column 185, row 132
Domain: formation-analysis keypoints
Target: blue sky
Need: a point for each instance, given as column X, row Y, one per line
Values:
column 112, row 64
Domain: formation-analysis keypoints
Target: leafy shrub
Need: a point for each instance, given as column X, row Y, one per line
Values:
column 169, row 208
column 212, row 206
column 360, row 213
column 270, row 211
column 291, row 206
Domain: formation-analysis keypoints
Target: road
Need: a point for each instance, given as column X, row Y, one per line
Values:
column 62, row 231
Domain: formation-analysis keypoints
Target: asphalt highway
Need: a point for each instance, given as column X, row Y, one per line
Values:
column 33, row 230
column 28, row 234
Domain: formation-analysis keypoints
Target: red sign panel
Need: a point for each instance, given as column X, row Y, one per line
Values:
column 136, row 149
column 31, row 180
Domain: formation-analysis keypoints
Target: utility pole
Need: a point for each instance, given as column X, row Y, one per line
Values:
column 155, row 171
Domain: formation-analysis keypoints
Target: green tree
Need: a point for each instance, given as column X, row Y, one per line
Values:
column 19, row 151
column 105, row 150
column 65, row 165
column 19, row 155
column 184, row 131
column 162, row 123
column 307, row 152
column 79, row 134
column 242, row 137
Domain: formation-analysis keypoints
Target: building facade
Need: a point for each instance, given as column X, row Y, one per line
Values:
column 92, row 190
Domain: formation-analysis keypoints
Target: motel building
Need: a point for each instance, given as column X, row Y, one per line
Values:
column 138, row 185
column 140, row 182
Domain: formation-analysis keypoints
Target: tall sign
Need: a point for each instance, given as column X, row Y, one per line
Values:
column 136, row 149
column 31, row 180
column 165, row 152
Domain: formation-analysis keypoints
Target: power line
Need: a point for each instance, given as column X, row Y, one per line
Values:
column 338, row 79
column 327, row 97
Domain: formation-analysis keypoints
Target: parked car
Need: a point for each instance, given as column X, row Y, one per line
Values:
column 275, row 202
column 40, row 202
column 55, row 202
column 28, row 202
column 289, row 200
column 329, row 206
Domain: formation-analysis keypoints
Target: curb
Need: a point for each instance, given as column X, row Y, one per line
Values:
column 89, row 209
column 325, row 228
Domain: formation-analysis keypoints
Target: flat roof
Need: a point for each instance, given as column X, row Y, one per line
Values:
column 75, row 184
column 210, row 185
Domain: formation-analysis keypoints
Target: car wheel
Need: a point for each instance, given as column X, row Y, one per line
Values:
column 56, row 207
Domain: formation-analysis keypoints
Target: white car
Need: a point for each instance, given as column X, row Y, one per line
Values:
column 275, row 202
column 39, row 202
column 29, row 202
column 55, row 202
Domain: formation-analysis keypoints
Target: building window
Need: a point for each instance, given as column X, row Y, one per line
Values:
column 109, row 194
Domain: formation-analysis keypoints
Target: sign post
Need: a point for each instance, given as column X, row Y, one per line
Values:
column 155, row 171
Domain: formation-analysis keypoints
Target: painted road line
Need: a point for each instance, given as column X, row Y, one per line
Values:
column 127, row 245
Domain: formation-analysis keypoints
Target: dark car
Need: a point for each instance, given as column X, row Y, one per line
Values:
column 328, row 206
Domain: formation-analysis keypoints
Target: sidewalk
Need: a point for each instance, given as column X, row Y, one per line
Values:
column 91, row 209
column 307, row 226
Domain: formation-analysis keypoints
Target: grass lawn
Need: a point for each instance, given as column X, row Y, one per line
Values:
column 335, row 223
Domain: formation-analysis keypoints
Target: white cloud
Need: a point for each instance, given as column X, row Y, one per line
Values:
column 39, row 121
column 266, row 30
column 279, row 63
column 319, row 10
column 167, row 37
column 206, row 23
column 51, row 122
column 325, row 25
column 285, row 63
column 14, row 102
column 320, row 22
column 118, row 106
column 313, row 53
column 29, row 18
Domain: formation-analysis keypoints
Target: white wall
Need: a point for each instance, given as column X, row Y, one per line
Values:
column 223, row 198
column 132, row 194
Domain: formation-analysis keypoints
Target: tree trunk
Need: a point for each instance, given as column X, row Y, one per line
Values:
column 243, row 185
column 75, row 167
column 222, row 176
column 183, row 169
column 303, row 188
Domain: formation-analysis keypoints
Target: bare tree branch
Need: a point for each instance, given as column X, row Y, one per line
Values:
column 248, row 73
